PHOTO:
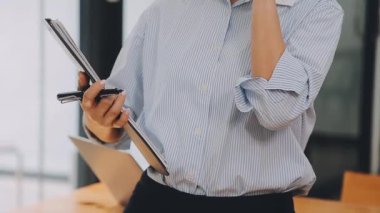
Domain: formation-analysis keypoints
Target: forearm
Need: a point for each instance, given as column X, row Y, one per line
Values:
column 267, row 42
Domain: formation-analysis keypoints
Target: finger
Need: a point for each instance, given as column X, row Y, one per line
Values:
column 102, row 107
column 88, row 101
column 83, row 81
column 115, row 110
column 122, row 121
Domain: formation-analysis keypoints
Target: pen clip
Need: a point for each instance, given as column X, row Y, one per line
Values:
column 69, row 99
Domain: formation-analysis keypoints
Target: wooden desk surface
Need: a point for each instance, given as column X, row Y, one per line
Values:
column 97, row 199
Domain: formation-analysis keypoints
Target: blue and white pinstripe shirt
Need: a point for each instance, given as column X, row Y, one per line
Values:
column 186, row 69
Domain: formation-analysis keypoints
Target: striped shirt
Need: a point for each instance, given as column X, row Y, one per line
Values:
column 187, row 72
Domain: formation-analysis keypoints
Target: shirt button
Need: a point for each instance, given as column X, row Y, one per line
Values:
column 191, row 176
column 228, row 13
column 204, row 88
column 216, row 48
column 198, row 131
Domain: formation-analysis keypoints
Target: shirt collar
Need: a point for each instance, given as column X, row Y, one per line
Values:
column 289, row 3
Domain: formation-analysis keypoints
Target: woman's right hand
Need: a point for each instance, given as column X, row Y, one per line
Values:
column 105, row 118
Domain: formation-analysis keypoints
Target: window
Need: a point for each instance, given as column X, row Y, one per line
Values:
column 27, row 70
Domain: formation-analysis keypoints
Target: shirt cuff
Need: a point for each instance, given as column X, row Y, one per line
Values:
column 289, row 75
column 244, row 92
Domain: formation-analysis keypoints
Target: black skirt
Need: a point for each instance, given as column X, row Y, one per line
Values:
column 150, row 196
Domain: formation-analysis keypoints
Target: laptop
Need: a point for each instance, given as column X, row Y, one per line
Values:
column 118, row 170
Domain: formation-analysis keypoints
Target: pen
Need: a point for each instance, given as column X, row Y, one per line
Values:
column 78, row 95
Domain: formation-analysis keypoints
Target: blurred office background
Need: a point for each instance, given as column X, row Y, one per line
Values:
column 38, row 161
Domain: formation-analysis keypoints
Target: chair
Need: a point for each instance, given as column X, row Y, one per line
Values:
column 359, row 188
column 12, row 149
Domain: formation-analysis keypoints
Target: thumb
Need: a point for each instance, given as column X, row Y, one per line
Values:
column 83, row 81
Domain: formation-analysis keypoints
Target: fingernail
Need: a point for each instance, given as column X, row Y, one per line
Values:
column 102, row 82
column 124, row 93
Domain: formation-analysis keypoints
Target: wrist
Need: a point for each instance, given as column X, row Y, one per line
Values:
column 264, row 3
column 103, row 134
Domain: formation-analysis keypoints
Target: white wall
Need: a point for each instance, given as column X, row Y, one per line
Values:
column 132, row 11
column 20, row 82
column 375, row 144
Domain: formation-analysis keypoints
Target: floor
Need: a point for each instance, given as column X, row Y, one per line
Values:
column 30, row 191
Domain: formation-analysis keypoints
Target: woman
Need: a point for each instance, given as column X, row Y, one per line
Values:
column 225, row 88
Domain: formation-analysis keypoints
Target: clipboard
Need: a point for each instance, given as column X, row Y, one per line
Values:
column 142, row 142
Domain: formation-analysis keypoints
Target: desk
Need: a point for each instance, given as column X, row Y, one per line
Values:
column 97, row 199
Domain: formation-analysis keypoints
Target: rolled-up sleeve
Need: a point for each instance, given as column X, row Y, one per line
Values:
column 299, row 73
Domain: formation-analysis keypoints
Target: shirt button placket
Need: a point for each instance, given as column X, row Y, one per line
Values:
column 224, row 31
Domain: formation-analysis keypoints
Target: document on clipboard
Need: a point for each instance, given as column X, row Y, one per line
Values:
column 142, row 142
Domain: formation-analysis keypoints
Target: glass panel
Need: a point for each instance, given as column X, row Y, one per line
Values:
column 61, row 76
column 20, row 102
column 334, row 146
column 338, row 104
